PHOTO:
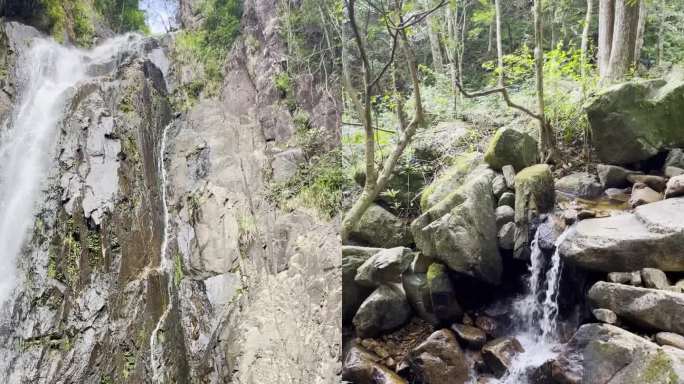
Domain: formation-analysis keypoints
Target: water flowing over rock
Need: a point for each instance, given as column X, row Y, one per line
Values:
column 651, row 237
column 636, row 120
column 534, row 195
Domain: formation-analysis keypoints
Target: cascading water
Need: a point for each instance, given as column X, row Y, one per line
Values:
column 48, row 74
column 165, row 266
column 537, row 312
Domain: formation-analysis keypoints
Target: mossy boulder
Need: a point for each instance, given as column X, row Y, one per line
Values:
column 449, row 180
column 460, row 230
column 637, row 120
column 380, row 228
column 534, row 195
column 442, row 294
column 511, row 146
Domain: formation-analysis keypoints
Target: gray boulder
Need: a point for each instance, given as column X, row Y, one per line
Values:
column 380, row 228
column 675, row 158
column 651, row 237
column 509, row 175
column 439, row 360
column 673, row 171
column 442, row 294
column 656, row 183
column 384, row 310
column 460, row 230
column 580, row 184
column 654, row 278
column 498, row 186
column 606, row 354
column 473, row 337
column 506, row 236
column 504, row 214
column 631, row 278
column 507, row 198
column 449, row 180
column 613, row 176
column 634, row 121
column 605, row 315
column 675, row 187
column 535, row 194
column 385, row 267
column 650, row 308
column 352, row 293
column 498, row 354
column 511, row 147
column 671, row 339
column 362, row 366
column 418, row 295
column 643, row 194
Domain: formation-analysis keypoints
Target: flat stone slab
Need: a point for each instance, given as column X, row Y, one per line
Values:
column 651, row 237
column 648, row 308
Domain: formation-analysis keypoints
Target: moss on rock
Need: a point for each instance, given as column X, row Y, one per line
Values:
column 510, row 146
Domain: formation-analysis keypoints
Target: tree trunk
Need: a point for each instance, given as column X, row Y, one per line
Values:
column 606, row 21
column 661, row 31
column 585, row 38
column 435, row 45
column 624, row 39
column 641, row 27
column 546, row 138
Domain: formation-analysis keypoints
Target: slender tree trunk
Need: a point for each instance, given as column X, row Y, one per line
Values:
column 606, row 21
column 583, row 70
column 547, row 140
column 641, row 27
column 585, row 38
column 491, row 37
column 435, row 45
column 624, row 39
column 661, row 31
column 461, row 46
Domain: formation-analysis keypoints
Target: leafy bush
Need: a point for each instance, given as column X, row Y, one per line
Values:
column 122, row 15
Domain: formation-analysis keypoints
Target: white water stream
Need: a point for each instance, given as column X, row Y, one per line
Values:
column 537, row 313
column 165, row 266
column 48, row 75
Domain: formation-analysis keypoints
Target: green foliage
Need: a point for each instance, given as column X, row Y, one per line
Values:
column 122, row 15
column 206, row 48
column 177, row 269
column 283, row 82
column 317, row 185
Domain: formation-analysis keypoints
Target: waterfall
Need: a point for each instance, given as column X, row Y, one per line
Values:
column 48, row 75
column 537, row 312
column 165, row 266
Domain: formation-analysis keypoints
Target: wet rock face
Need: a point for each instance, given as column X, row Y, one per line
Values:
column 98, row 234
column 635, row 121
column 499, row 354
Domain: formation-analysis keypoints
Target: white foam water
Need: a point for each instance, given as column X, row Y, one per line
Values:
column 165, row 266
column 537, row 313
column 48, row 74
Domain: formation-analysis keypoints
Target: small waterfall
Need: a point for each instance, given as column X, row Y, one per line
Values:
column 48, row 75
column 537, row 312
column 165, row 266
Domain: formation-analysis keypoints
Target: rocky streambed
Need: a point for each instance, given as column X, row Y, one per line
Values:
column 509, row 273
